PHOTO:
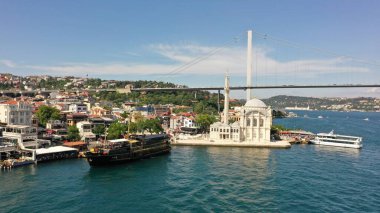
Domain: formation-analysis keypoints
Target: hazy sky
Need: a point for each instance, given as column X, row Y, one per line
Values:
column 150, row 39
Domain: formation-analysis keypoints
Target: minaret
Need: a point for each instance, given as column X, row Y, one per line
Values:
column 249, row 65
column 226, row 98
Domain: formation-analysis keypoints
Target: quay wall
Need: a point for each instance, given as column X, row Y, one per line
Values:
column 280, row 144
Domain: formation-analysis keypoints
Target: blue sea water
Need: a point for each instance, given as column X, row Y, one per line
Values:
column 305, row 178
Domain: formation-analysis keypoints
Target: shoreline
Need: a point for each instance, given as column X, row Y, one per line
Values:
column 276, row 145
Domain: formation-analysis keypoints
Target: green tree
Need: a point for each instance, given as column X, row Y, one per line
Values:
column 124, row 115
column 198, row 107
column 132, row 127
column 116, row 131
column 153, row 126
column 141, row 125
column 99, row 130
column 204, row 121
column 275, row 131
column 46, row 113
column 73, row 133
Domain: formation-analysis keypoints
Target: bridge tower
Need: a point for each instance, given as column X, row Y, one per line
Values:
column 249, row 65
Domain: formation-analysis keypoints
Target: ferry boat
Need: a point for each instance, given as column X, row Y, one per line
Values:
column 331, row 139
column 126, row 150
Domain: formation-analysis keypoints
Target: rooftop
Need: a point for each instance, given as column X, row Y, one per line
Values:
column 255, row 103
column 54, row 149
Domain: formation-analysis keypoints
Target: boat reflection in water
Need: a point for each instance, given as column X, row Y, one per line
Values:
column 125, row 150
column 342, row 151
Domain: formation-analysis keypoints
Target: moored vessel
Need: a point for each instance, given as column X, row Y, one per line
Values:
column 331, row 139
column 126, row 150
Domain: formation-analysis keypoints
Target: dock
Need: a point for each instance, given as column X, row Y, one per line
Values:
column 277, row 144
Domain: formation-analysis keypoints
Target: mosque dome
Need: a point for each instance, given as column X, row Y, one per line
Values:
column 256, row 103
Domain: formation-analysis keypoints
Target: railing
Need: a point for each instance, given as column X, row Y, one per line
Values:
column 8, row 149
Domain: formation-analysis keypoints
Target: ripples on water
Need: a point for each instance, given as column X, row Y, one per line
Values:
column 305, row 178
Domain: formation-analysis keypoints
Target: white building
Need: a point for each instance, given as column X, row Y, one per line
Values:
column 255, row 121
column 23, row 136
column 189, row 122
column 78, row 108
column 16, row 113
column 253, row 127
column 85, row 131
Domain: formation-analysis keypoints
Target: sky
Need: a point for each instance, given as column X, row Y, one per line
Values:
column 293, row 42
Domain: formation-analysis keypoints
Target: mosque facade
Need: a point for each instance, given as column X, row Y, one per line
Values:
column 253, row 126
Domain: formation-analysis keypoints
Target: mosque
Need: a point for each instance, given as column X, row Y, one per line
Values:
column 253, row 126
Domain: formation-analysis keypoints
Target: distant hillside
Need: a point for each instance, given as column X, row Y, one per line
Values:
column 339, row 104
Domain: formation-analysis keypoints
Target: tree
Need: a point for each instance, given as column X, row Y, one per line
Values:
column 153, row 125
column 99, row 130
column 141, row 125
column 204, row 121
column 198, row 107
column 275, row 131
column 116, row 131
column 46, row 113
column 132, row 127
column 73, row 133
column 124, row 115
column 138, row 116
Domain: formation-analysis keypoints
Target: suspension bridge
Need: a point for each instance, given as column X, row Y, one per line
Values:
column 289, row 67
column 342, row 71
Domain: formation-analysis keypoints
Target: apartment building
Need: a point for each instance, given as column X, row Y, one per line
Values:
column 15, row 112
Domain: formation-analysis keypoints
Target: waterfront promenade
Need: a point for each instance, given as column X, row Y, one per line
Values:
column 195, row 142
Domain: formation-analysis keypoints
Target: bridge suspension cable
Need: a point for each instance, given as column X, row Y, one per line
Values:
column 196, row 60
column 315, row 49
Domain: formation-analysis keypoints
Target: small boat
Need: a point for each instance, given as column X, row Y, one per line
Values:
column 320, row 116
column 331, row 139
column 366, row 119
column 12, row 163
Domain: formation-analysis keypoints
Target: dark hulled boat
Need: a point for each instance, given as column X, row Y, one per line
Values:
column 125, row 150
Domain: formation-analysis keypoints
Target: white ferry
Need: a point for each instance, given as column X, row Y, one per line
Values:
column 331, row 139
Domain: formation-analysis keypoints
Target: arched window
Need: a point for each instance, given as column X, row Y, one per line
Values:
column 254, row 122
column 248, row 122
column 261, row 122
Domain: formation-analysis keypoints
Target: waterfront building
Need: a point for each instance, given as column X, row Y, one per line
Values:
column 187, row 120
column 15, row 112
column 298, row 108
column 253, row 126
column 22, row 136
column 85, row 131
